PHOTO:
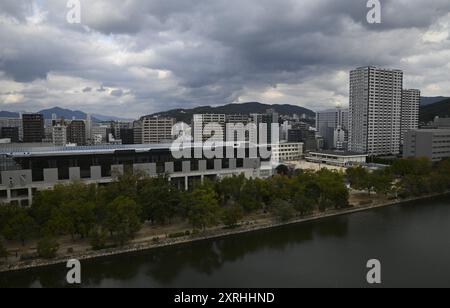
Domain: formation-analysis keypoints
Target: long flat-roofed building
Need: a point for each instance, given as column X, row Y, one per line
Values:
column 431, row 143
column 25, row 170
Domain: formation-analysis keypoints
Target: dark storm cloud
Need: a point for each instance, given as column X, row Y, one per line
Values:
column 154, row 55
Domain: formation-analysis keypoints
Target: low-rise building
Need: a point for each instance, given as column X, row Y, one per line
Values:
column 289, row 151
column 431, row 143
column 337, row 158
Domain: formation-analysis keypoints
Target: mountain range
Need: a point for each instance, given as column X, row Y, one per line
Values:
column 185, row 115
column 430, row 108
column 440, row 109
column 66, row 113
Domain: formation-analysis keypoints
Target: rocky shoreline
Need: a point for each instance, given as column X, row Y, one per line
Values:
column 214, row 234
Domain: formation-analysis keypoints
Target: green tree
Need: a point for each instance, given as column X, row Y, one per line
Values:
column 160, row 201
column 203, row 207
column 358, row 178
column 47, row 248
column 381, row 181
column 99, row 239
column 21, row 226
column 122, row 219
column 231, row 215
column 283, row 210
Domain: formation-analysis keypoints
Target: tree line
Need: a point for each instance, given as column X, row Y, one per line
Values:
column 410, row 177
column 114, row 213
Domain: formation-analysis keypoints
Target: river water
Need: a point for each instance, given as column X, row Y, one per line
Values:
column 411, row 241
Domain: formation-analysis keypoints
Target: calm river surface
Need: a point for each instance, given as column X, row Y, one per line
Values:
column 412, row 242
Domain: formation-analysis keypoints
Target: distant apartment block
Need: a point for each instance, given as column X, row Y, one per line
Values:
column 137, row 132
column 431, row 143
column 59, row 135
column 11, row 123
column 76, row 132
column 157, row 129
column 33, row 128
column 202, row 121
column 332, row 125
column 375, row 110
column 11, row 133
column 410, row 111
column 305, row 136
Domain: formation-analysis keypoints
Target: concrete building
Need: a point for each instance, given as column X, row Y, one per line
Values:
column 76, row 132
column 336, row 158
column 11, row 133
column 88, row 129
column 33, row 128
column 431, row 143
column 27, row 170
column 200, row 121
column 60, row 135
column 441, row 122
column 375, row 110
column 99, row 134
column 332, row 125
column 13, row 122
column 157, row 129
column 410, row 111
column 288, row 151
column 307, row 137
column 137, row 132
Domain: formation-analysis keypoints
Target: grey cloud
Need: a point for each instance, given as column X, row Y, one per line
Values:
column 214, row 51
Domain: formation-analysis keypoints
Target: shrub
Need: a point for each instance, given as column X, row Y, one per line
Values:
column 47, row 248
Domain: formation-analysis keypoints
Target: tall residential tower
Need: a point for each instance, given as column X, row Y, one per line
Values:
column 375, row 110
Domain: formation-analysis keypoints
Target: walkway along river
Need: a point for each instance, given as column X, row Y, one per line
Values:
column 412, row 242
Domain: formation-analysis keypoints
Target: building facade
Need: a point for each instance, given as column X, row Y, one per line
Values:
column 59, row 135
column 410, row 111
column 200, row 121
column 337, row 158
column 24, row 171
column 332, row 125
column 76, row 132
column 33, row 128
column 431, row 143
column 288, row 151
column 13, row 122
column 375, row 110
column 157, row 129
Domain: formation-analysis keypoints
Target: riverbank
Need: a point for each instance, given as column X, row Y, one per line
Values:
column 143, row 244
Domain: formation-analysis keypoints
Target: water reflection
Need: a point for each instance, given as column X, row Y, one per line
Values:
column 343, row 236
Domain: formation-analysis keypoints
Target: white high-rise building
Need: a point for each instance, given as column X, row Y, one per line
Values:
column 375, row 110
column 410, row 111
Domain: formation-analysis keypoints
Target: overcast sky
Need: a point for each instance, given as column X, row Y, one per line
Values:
column 132, row 57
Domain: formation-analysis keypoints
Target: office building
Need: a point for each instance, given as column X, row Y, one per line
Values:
column 332, row 125
column 431, row 143
column 307, row 137
column 11, row 133
column 137, row 132
column 127, row 135
column 33, row 128
column 13, row 122
column 157, row 129
column 375, row 111
column 286, row 151
column 200, row 121
column 76, row 132
column 410, row 111
column 336, row 158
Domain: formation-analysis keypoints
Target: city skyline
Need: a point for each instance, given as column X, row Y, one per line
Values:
column 138, row 58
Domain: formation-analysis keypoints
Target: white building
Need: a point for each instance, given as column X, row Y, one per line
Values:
column 410, row 111
column 375, row 110
column 336, row 158
column 284, row 152
column 59, row 135
column 157, row 129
